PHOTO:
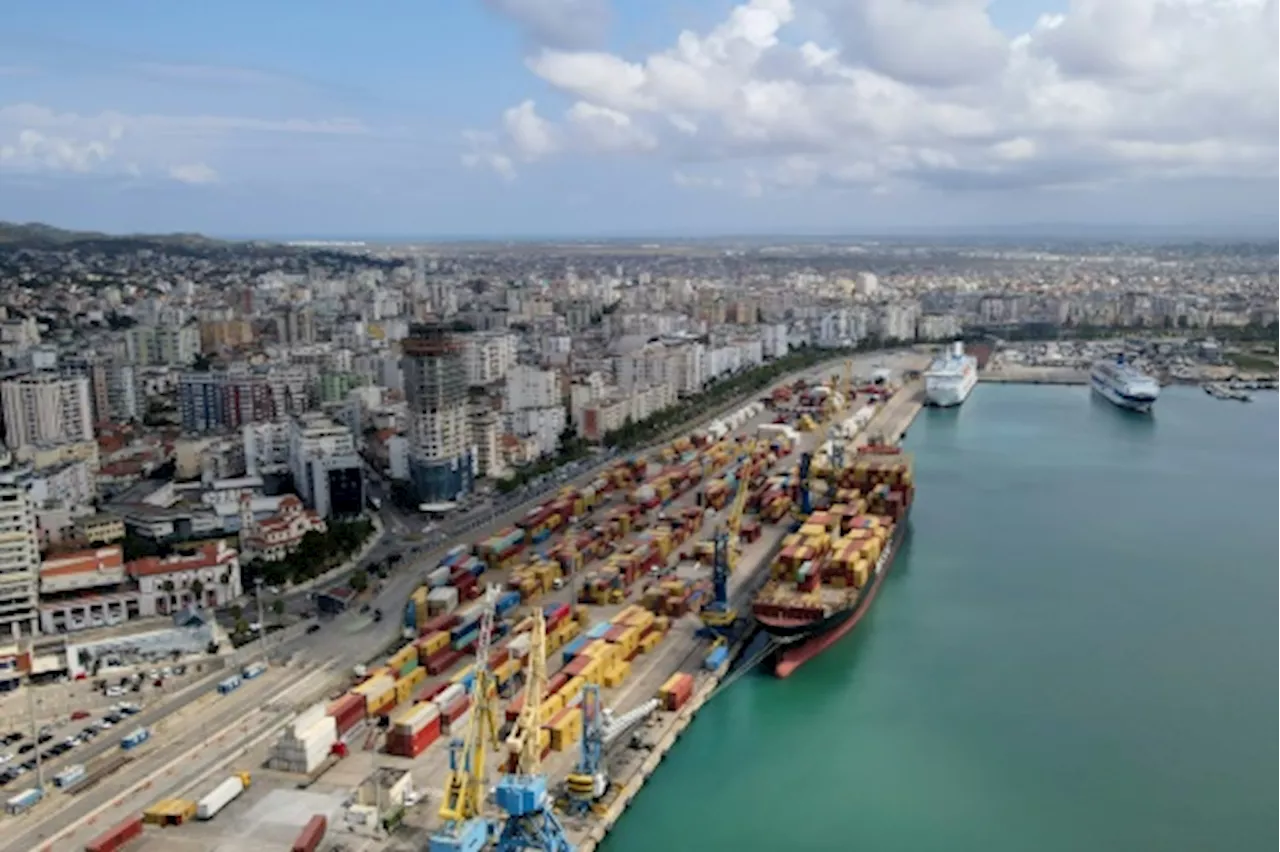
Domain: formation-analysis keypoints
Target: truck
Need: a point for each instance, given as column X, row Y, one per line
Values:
column 253, row 670
column 69, row 777
column 134, row 738
column 22, row 802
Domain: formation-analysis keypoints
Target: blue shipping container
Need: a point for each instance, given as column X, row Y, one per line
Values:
column 468, row 681
column 24, row 800
column 470, row 625
column 573, row 648
column 540, row 536
column 716, row 658
column 476, row 567
column 507, row 602
column 410, row 615
column 598, row 630
column 465, row 639
column 456, row 554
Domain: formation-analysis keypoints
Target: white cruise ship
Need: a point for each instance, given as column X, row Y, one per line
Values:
column 950, row 377
column 1124, row 385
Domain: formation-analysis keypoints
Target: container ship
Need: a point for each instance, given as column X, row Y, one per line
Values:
column 826, row 574
column 1122, row 384
column 950, row 378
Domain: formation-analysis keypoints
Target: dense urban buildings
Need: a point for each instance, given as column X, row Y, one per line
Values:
column 158, row 399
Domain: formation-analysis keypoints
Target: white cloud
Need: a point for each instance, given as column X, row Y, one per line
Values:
column 930, row 91
column 558, row 23
column 195, row 173
column 36, row 138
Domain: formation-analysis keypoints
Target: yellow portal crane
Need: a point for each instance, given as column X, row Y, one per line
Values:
column 465, row 827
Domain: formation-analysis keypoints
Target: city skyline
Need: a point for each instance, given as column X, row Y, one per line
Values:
column 537, row 118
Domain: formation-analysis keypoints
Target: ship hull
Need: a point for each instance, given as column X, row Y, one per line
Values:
column 801, row 642
column 1139, row 404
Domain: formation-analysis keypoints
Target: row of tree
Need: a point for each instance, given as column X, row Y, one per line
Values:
column 639, row 433
column 316, row 553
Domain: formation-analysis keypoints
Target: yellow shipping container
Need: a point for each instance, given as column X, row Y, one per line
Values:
column 591, row 671
column 616, row 674
column 573, row 687
column 662, row 622
column 554, row 641
column 582, row 615
column 566, row 730
column 642, row 619
column 397, row 660
column 649, row 642
column 552, row 705
column 433, row 643
column 629, row 611
column 376, row 703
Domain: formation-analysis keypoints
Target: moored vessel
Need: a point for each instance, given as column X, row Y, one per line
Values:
column 1122, row 384
column 950, row 378
column 827, row 574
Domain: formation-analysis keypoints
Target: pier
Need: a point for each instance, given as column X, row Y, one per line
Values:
column 631, row 769
column 1034, row 376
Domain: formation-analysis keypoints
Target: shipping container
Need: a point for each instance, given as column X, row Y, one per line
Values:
column 253, row 670
column 117, row 837
column 413, row 744
column 221, row 796
column 311, row 835
column 347, row 711
column 443, row 661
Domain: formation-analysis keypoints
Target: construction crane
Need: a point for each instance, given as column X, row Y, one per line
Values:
column 530, row 822
column 589, row 780
column 465, row 827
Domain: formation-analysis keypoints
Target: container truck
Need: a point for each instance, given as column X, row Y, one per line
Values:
column 22, row 802
column 253, row 670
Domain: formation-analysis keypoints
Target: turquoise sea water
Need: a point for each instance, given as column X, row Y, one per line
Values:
column 1076, row 651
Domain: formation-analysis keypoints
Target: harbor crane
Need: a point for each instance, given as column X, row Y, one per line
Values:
column 465, row 828
column 589, row 780
column 719, row 617
column 531, row 824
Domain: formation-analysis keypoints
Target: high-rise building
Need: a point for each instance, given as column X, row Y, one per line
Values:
column 162, row 345
column 94, row 369
column 488, row 356
column 227, row 399
column 46, row 408
column 19, row 554
column 441, row 457
column 325, row 466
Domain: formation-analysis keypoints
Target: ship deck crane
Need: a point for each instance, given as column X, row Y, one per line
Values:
column 589, row 780
column 530, row 823
column 465, row 827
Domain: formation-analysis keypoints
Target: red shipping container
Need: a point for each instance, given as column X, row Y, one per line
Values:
column 347, row 711
column 457, row 708
column 614, row 634
column 463, row 581
column 514, row 708
column 442, row 661
column 576, row 666
column 498, row 657
column 117, row 837
column 442, row 622
column 412, row 745
column 311, row 835
column 432, row 691
column 556, row 682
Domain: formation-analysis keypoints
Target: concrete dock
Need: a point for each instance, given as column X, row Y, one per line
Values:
column 1034, row 376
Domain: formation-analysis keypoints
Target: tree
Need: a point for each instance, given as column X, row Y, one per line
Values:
column 167, row 586
column 277, row 608
column 359, row 581
column 237, row 611
column 241, row 627
column 197, row 591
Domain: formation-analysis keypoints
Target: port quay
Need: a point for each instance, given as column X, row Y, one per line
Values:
column 234, row 748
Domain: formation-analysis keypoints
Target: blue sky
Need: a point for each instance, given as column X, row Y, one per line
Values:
column 584, row 117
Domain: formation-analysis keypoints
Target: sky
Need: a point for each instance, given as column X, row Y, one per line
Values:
column 582, row 118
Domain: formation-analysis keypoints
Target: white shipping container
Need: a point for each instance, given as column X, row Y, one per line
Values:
column 310, row 716
column 417, row 718
column 438, row 577
column 219, row 797
column 442, row 599
column 519, row 645
column 459, row 725
column 451, row 694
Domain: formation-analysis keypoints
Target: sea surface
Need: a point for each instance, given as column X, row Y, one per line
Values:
column 1076, row 651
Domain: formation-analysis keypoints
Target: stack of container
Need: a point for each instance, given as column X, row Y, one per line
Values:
column 416, row 610
column 499, row 550
column 453, row 704
column 565, row 729
column 306, row 743
column 676, row 692
column 442, row 599
column 347, row 712
column 379, row 692
column 413, row 729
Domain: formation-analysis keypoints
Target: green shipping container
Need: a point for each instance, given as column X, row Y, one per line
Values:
column 409, row 665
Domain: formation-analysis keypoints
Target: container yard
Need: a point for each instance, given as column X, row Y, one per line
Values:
column 617, row 574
